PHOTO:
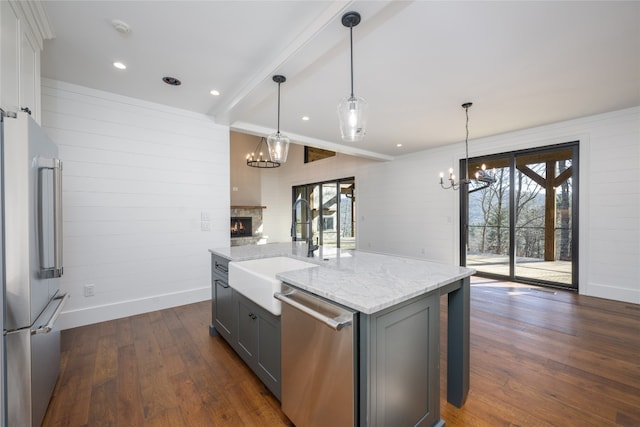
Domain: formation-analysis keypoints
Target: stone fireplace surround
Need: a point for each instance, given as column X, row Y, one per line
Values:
column 255, row 213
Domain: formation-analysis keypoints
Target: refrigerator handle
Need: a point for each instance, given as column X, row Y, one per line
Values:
column 45, row 329
column 57, row 269
column 57, row 212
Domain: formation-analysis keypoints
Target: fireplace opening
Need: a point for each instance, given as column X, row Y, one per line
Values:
column 241, row 226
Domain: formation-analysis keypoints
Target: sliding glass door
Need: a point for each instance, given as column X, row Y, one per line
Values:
column 523, row 225
column 332, row 213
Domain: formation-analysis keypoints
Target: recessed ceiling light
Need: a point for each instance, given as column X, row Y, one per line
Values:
column 171, row 81
column 305, row 118
column 398, row 145
column 214, row 92
column 119, row 65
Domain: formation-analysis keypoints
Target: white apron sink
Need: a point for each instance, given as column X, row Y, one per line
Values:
column 256, row 279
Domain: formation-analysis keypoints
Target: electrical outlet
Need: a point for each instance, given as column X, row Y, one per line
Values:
column 89, row 290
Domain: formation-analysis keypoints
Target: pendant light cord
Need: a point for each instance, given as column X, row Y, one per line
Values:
column 278, row 108
column 466, row 145
column 351, row 45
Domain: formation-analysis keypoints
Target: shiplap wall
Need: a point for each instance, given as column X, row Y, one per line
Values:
column 138, row 180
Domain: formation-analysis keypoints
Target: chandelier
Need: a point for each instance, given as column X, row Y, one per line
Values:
column 482, row 176
column 258, row 161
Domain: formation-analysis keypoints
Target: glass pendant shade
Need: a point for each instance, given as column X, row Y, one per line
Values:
column 352, row 113
column 278, row 147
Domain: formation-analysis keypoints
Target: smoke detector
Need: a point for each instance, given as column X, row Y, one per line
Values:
column 121, row 26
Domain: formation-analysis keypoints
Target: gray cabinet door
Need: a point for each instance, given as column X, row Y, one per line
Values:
column 400, row 366
column 247, row 330
column 223, row 308
column 269, row 353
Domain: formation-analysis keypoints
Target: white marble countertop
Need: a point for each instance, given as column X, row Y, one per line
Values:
column 364, row 281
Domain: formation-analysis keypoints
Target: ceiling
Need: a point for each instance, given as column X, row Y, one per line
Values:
column 521, row 63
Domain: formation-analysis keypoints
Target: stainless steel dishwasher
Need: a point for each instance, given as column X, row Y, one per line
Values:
column 318, row 360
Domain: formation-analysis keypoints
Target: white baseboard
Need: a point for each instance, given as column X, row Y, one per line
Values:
column 612, row 292
column 102, row 313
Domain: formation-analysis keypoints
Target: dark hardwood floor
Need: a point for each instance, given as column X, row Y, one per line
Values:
column 539, row 357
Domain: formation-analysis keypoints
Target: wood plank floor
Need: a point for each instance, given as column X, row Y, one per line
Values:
column 539, row 357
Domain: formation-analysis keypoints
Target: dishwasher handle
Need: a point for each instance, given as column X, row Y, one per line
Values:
column 336, row 323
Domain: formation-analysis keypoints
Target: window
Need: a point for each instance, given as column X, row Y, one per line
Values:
column 312, row 154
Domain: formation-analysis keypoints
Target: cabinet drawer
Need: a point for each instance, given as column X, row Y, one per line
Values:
column 220, row 266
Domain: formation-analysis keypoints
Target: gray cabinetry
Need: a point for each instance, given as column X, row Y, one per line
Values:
column 258, row 341
column 252, row 331
column 397, row 349
column 399, row 362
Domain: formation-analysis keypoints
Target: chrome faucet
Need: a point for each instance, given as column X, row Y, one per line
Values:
column 311, row 247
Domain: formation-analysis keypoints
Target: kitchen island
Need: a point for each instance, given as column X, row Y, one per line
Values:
column 398, row 325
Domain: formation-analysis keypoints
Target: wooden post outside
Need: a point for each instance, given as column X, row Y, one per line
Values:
column 550, row 213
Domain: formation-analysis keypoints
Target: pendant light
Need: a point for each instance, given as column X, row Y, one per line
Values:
column 278, row 143
column 352, row 111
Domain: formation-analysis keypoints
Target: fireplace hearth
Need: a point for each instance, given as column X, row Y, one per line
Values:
column 241, row 226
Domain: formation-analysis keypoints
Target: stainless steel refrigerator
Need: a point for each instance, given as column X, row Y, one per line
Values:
column 32, row 265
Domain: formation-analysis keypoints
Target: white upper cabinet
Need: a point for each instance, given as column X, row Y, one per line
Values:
column 9, row 58
column 24, row 26
column 30, row 74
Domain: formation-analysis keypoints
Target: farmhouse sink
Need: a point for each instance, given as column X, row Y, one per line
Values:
column 256, row 279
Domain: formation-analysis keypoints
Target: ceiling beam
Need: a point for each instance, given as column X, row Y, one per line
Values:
column 223, row 112
column 312, row 142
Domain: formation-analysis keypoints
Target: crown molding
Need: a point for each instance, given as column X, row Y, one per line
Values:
column 34, row 14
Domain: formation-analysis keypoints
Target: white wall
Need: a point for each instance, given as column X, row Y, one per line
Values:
column 402, row 210
column 137, row 178
column 245, row 181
